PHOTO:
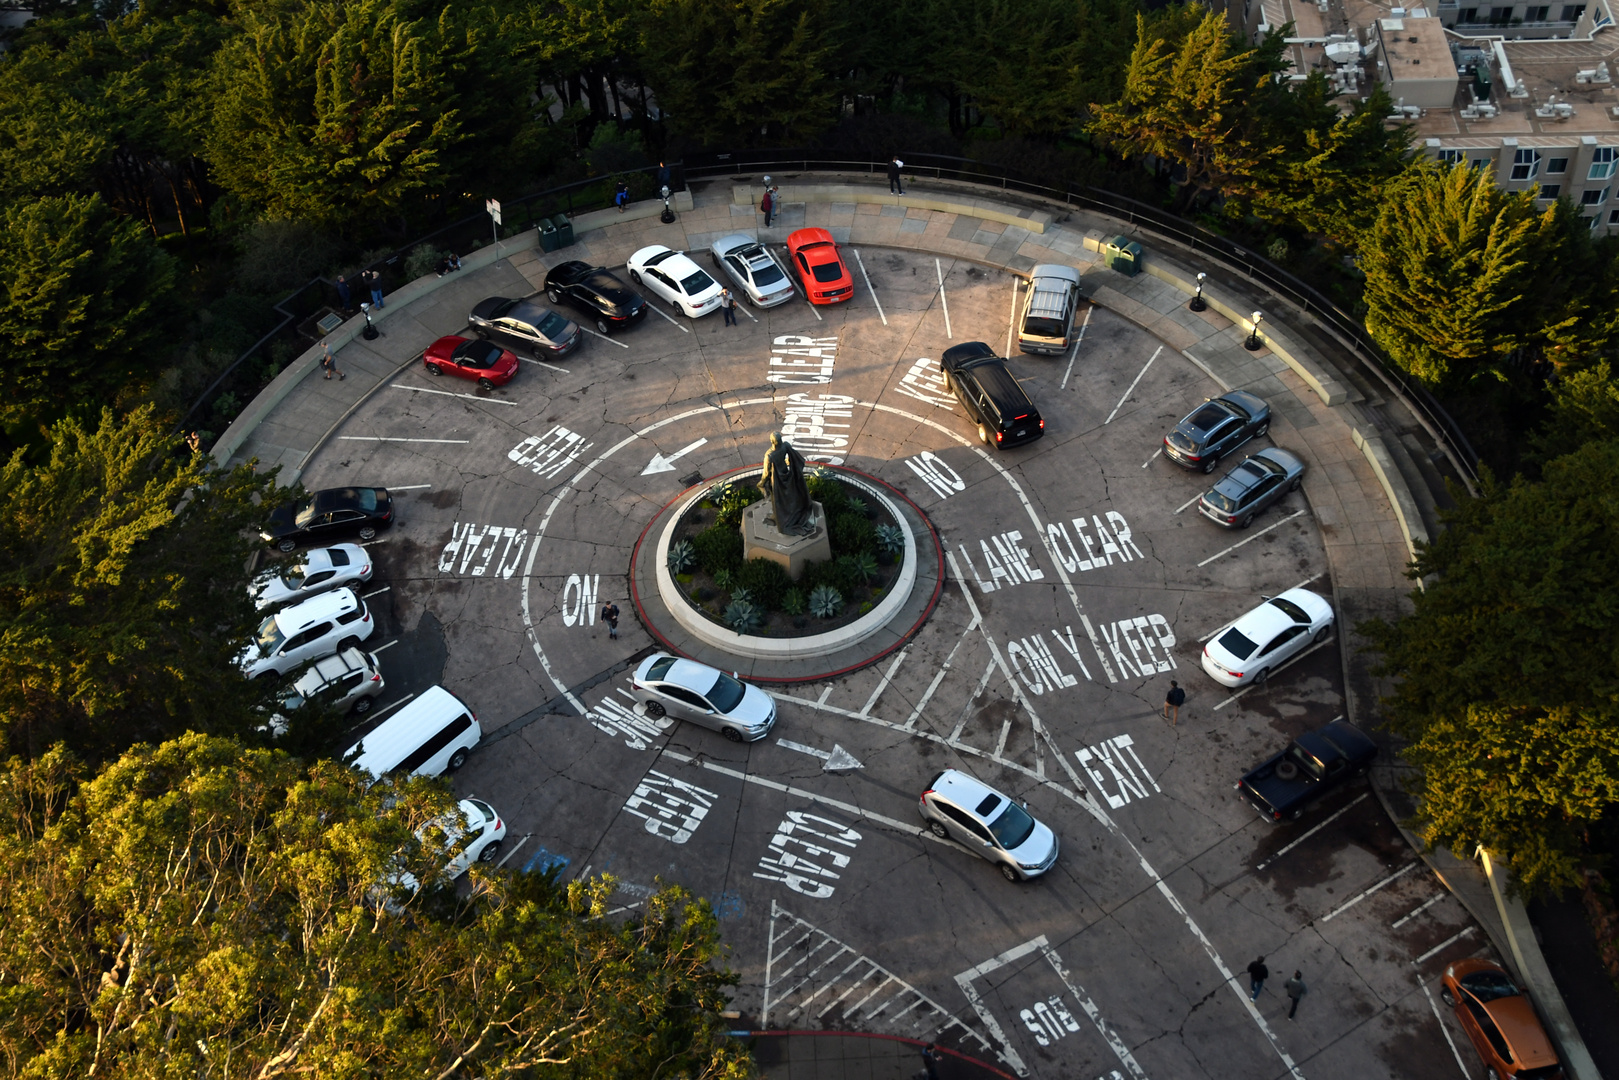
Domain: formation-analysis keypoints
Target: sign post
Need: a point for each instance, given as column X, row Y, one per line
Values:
column 493, row 206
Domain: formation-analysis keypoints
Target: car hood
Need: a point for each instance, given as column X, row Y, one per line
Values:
column 280, row 519
column 485, row 309
column 1253, row 406
column 1037, row 848
column 755, row 708
column 267, row 589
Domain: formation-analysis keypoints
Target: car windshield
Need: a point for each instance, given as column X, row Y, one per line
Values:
column 294, row 578
column 1292, row 610
column 1012, row 827
column 1041, row 327
column 269, row 637
column 832, row 271
column 1489, row 985
column 552, row 325
column 660, row 667
column 1206, row 418
column 1237, row 644
column 474, row 354
column 725, row 694
column 765, row 272
column 484, row 808
column 1220, row 500
column 305, row 511
column 696, row 283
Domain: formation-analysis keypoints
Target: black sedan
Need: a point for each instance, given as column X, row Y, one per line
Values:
column 525, row 325
column 1247, row 490
column 994, row 400
column 607, row 301
column 1215, row 428
column 329, row 514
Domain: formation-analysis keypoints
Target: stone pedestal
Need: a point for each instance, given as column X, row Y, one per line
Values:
column 762, row 541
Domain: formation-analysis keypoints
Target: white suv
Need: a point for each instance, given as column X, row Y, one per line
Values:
column 320, row 626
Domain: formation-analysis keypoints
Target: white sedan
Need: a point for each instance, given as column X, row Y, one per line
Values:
column 668, row 685
column 319, row 570
column 1267, row 637
column 757, row 276
column 673, row 276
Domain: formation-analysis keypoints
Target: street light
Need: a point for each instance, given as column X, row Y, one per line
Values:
column 370, row 333
column 1253, row 344
column 1198, row 303
column 668, row 215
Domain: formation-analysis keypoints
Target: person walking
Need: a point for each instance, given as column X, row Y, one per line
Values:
column 621, row 197
column 896, row 183
column 344, row 295
column 610, row 617
column 1295, row 989
column 375, row 282
column 768, row 204
column 1257, row 974
column 728, row 307
column 930, row 1061
column 328, row 362
column 1174, row 700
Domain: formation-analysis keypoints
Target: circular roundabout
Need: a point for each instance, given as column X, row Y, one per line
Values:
column 1028, row 627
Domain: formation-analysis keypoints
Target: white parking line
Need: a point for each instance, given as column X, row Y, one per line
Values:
column 939, row 267
column 668, row 316
column 447, row 393
column 376, row 592
column 961, row 723
column 373, row 543
column 389, row 438
column 1154, row 458
column 1073, row 353
column 1363, row 894
column 1467, row 931
column 1133, row 382
column 553, row 367
column 390, row 645
column 1011, row 316
column 1249, row 540
column 944, row 669
column 1360, row 798
column 1221, row 383
column 515, row 848
column 1435, row 1007
column 394, row 705
column 887, row 678
column 407, row 487
column 1418, row 910
column 869, row 289
column 604, row 337
column 1284, row 667
column 1188, row 502
column 790, row 281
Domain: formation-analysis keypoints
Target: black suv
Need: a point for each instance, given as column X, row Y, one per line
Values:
column 610, row 303
column 992, row 397
column 327, row 515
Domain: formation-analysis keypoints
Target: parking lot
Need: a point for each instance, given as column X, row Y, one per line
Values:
column 1082, row 581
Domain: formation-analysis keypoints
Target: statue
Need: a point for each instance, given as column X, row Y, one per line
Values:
column 782, row 482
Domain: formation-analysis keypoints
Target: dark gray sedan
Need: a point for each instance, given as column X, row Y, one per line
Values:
column 526, row 326
column 1215, row 428
column 1247, row 490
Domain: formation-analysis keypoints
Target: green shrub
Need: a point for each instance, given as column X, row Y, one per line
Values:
column 825, row 602
column 718, row 548
column 793, row 602
column 767, row 582
column 853, row 533
column 828, row 492
column 730, row 504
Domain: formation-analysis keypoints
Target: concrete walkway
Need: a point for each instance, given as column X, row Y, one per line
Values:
column 1372, row 477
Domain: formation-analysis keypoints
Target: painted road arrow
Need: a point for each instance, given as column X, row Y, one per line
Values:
column 660, row 463
column 837, row 759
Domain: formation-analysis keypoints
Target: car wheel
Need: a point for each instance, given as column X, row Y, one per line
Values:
column 554, row 296
column 732, row 734
column 948, row 388
column 1321, row 634
column 1248, row 519
column 635, row 277
column 348, row 643
column 1211, row 464
column 1295, row 815
column 485, row 384
column 983, row 435
column 368, row 532
column 1294, row 486
column 678, row 309
column 489, row 851
column 1259, row 679
column 434, row 369
column 938, row 830
column 271, row 675
column 362, row 706
column 1262, row 430
column 1009, row 874
column 601, row 326
column 654, row 709
column 457, row 759
column 286, row 545
column 1447, row 998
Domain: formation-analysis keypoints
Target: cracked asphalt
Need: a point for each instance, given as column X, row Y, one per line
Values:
column 1081, row 583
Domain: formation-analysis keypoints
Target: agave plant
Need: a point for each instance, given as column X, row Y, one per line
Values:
column 682, row 556
column 743, row 617
column 890, row 539
column 825, row 602
column 856, row 505
column 866, row 563
column 723, row 578
column 741, row 595
column 793, row 602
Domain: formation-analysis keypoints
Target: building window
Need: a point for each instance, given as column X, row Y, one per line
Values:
column 1556, row 166
column 1500, row 16
column 1451, row 157
column 1526, row 165
column 1594, row 197
column 1479, row 163
column 1549, row 191
column 1601, row 163
column 1536, row 14
column 1572, row 12
column 1467, row 15
column 1613, row 217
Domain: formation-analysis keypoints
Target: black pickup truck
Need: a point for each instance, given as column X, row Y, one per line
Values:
column 1312, row 765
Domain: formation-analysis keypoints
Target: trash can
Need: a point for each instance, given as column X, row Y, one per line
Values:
column 548, row 235
column 1124, row 255
column 564, row 226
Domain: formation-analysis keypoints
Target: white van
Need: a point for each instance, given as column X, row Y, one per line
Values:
column 429, row 736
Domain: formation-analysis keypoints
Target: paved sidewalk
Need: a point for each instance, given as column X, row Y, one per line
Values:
column 839, row 1055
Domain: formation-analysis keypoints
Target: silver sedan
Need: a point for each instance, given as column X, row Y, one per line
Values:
column 755, row 274
column 1253, row 486
column 319, row 570
column 685, row 689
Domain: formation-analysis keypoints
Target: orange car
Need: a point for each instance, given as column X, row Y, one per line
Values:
column 1501, row 1021
column 821, row 270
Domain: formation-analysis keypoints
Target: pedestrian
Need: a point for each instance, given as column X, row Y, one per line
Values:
column 376, row 289
column 621, row 197
column 343, row 294
column 1174, row 700
column 1257, row 974
column 768, row 204
column 610, row 617
column 1295, row 989
column 728, row 307
column 194, row 441
column 328, row 362
column 896, row 183
column 930, row 1061
column 454, row 261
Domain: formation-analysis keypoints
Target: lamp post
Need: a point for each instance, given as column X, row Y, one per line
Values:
column 1253, row 343
column 668, row 215
column 370, row 333
column 1198, row 303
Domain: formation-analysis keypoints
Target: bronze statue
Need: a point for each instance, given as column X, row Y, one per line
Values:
column 783, row 483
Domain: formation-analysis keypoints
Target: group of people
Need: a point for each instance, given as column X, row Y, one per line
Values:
column 1258, row 973
column 369, row 281
column 449, row 264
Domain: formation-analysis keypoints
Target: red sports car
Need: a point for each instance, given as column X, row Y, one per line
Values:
column 484, row 362
column 821, row 270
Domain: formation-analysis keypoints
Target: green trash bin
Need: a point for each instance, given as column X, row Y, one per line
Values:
column 1124, row 255
column 564, row 226
column 549, row 240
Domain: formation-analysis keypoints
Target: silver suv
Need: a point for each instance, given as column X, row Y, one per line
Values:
column 988, row 824
column 1048, row 313
column 320, row 626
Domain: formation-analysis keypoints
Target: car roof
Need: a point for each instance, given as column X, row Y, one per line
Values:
column 963, row 790
column 527, row 311
column 324, row 606
column 1249, row 404
column 571, row 270
column 968, row 350
column 698, row 678
column 1053, row 270
column 1244, row 475
column 327, row 668
column 315, row 559
column 999, row 383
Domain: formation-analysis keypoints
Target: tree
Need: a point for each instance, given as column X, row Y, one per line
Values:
column 1456, row 271
column 88, row 306
column 1584, row 408
column 1509, row 668
column 200, row 908
column 123, row 599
